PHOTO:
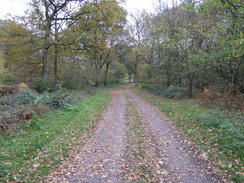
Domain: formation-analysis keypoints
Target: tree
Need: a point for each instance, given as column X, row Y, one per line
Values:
column 96, row 33
column 138, row 39
column 21, row 50
column 50, row 14
column 225, row 50
column 195, row 44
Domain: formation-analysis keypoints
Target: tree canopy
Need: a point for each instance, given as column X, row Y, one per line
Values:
column 191, row 45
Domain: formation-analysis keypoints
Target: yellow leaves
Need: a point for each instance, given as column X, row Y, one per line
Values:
column 36, row 165
column 77, row 157
column 164, row 173
column 223, row 166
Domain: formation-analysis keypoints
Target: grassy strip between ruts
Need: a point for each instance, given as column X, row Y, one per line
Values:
column 30, row 154
column 138, row 169
column 219, row 134
column 140, row 165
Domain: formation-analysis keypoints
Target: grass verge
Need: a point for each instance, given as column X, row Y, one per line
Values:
column 218, row 133
column 29, row 155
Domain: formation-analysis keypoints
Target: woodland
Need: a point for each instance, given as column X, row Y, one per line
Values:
column 75, row 43
column 60, row 63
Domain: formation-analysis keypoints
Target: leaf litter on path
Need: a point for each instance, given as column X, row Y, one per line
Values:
column 133, row 146
column 179, row 161
column 101, row 159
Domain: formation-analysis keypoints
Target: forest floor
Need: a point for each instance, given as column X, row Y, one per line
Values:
column 134, row 142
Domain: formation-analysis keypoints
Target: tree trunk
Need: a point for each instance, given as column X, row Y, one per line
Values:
column 168, row 83
column 105, row 76
column 56, row 55
column 56, row 65
column 135, row 78
column 168, row 77
column 190, row 89
column 129, row 77
column 180, row 81
column 235, row 80
column 136, row 75
column 45, row 55
column 97, row 78
column 46, row 43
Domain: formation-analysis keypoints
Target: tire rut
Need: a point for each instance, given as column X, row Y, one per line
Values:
column 101, row 159
column 108, row 155
column 178, row 165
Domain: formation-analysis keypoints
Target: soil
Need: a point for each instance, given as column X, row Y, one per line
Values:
column 106, row 156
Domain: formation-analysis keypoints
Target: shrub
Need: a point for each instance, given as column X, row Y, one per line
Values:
column 7, row 78
column 70, row 85
column 8, row 89
column 171, row 93
column 162, row 91
column 25, row 96
column 42, row 85
column 59, row 100
column 26, row 103
column 147, row 83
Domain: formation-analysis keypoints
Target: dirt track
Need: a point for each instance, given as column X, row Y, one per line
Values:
column 104, row 158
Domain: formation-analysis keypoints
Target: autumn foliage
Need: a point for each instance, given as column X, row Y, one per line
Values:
column 211, row 97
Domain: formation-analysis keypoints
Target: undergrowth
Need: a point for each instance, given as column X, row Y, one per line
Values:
column 170, row 92
column 25, row 103
column 218, row 133
column 28, row 156
column 224, row 101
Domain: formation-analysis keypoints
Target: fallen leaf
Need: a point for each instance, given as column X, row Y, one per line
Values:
column 164, row 173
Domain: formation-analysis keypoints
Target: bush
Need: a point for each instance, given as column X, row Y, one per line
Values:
column 8, row 90
column 7, row 78
column 147, row 83
column 42, row 85
column 25, row 96
column 59, row 100
column 171, row 93
column 70, row 85
column 26, row 103
column 162, row 91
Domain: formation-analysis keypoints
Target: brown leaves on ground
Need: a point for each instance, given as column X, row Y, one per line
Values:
column 133, row 143
column 211, row 97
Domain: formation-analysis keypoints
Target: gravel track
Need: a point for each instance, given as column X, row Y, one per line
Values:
column 178, row 164
column 102, row 158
